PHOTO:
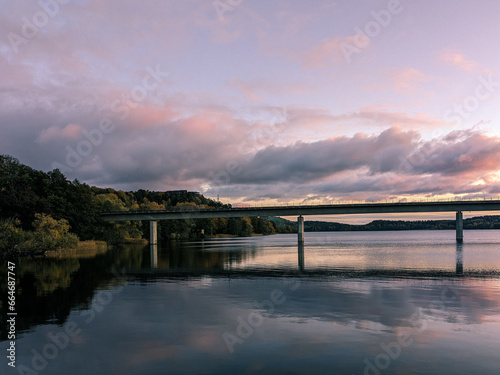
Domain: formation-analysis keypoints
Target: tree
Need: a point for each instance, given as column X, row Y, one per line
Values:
column 234, row 226
column 49, row 234
column 246, row 227
column 46, row 226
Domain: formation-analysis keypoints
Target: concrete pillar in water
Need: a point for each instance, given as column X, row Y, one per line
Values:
column 153, row 232
column 300, row 226
column 460, row 226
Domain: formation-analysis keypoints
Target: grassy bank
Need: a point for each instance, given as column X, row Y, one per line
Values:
column 85, row 249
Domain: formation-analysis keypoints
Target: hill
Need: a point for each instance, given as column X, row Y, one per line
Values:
column 481, row 222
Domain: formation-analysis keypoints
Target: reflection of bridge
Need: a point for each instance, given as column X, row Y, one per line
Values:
column 157, row 269
column 331, row 209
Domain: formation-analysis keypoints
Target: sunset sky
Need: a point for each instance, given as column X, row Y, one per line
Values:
column 258, row 101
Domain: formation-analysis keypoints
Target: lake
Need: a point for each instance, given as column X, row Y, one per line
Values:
column 412, row 302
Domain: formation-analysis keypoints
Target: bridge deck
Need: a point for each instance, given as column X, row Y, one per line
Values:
column 330, row 209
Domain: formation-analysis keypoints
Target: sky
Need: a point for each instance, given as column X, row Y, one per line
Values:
column 259, row 102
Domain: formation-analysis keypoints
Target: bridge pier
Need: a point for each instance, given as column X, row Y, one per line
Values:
column 153, row 232
column 460, row 226
column 300, row 227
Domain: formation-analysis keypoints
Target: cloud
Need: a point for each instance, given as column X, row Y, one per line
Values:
column 162, row 148
column 460, row 153
column 256, row 90
column 329, row 52
column 392, row 164
column 70, row 131
column 409, row 80
column 374, row 116
column 303, row 162
column 272, row 122
column 459, row 61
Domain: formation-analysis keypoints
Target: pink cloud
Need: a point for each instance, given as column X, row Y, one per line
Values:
column 70, row 131
column 249, row 89
column 255, row 90
column 409, row 80
column 369, row 115
column 329, row 52
column 459, row 61
column 150, row 116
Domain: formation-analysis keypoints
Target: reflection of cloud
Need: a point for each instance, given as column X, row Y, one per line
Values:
column 152, row 351
column 206, row 341
column 178, row 326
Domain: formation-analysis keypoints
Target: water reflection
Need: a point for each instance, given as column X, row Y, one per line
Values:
column 329, row 317
column 460, row 257
column 153, row 251
column 49, row 288
column 300, row 252
column 318, row 326
column 200, row 255
column 357, row 254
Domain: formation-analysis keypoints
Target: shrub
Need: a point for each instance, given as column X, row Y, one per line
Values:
column 49, row 234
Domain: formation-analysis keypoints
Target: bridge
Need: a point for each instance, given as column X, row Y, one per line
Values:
column 303, row 210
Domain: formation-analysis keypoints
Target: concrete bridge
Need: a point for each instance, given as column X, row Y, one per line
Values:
column 302, row 210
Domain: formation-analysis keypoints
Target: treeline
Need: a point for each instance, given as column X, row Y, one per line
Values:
column 28, row 196
column 482, row 222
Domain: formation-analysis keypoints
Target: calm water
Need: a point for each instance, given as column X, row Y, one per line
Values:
column 345, row 303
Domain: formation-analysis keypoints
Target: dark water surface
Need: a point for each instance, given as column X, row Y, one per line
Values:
column 345, row 303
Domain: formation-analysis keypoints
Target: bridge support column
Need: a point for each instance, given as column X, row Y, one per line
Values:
column 153, row 232
column 460, row 226
column 300, row 227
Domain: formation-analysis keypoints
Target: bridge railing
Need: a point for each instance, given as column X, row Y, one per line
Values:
column 350, row 202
